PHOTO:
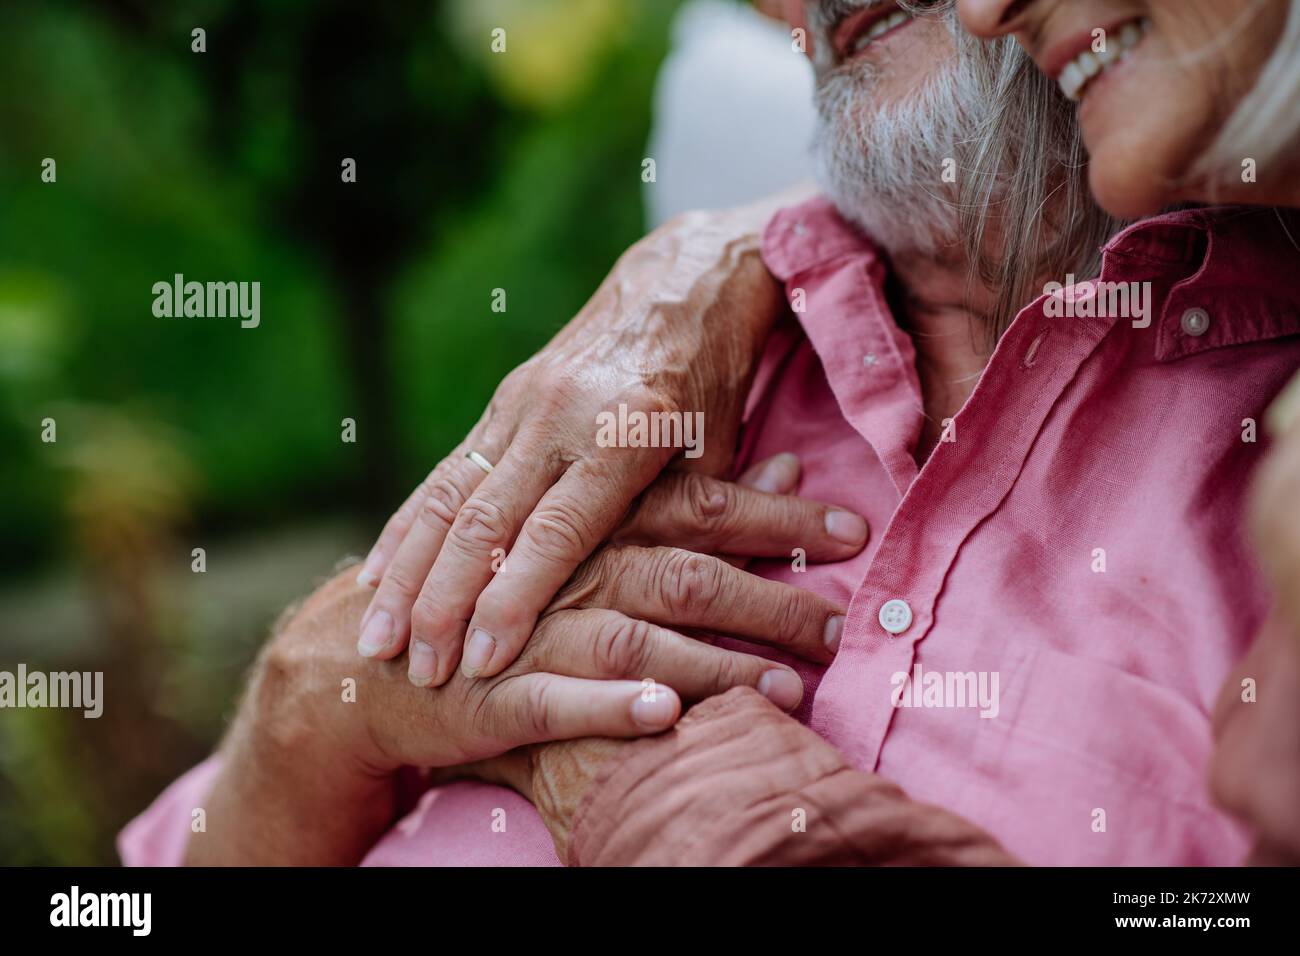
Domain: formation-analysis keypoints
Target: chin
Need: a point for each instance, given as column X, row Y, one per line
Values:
column 1126, row 195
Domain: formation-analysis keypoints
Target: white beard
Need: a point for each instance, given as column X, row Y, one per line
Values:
column 883, row 167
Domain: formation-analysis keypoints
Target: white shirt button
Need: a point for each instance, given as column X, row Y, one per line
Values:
column 1196, row 321
column 895, row 616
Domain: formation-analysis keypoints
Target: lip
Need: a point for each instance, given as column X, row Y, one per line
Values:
column 1055, row 58
column 1096, row 94
column 856, row 24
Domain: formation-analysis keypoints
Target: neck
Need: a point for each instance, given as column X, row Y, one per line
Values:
column 945, row 315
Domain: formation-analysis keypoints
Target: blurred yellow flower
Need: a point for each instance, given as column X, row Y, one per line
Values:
column 551, row 47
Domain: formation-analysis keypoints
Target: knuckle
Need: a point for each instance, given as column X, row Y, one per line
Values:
column 514, row 385
column 443, row 498
column 585, row 586
column 538, row 720
column 427, row 619
column 622, row 648
column 558, row 531
column 483, row 706
column 481, row 525
column 688, row 581
column 550, row 649
column 495, row 610
column 793, row 614
column 652, row 398
column 731, row 671
column 556, row 386
column 400, row 578
column 708, row 501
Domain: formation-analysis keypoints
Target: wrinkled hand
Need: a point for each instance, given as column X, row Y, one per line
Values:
column 677, row 587
column 607, row 657
column 634, row 584
column 677, row 327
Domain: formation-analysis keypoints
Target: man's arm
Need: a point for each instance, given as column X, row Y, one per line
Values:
column 311, row 770
column 738, row 783
column 291, row 790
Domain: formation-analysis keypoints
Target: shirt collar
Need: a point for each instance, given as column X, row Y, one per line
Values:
column 1236, row 270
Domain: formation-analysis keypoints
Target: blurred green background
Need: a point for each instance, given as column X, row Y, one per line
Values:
column 475, row 171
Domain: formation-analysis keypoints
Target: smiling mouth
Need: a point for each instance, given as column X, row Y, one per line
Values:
column 866, row 27
column 1079, row 73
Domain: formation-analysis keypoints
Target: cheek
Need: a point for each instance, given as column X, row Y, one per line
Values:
column 1144, row 138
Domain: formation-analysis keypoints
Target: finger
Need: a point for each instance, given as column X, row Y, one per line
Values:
column 487, row 438
column 490, row 437
column 472, row 552
column 604, row 644
column 717, row 517
column 385, row 626
column 535, row 708
column 682, row 589
column 581, row 510
column 778, row 475
column 395, row 529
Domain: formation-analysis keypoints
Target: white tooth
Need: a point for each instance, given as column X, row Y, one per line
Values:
column 1071, row 80
column 1089, row 63
column 1131, row 35
column 1109, row 54
column 881, row 27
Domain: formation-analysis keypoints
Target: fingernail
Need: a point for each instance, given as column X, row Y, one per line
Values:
column 478, row 651
column 423, row 664
column 1284, row 411
column 846, row 527
column 656, row 713
column 369, row 574
column 779, row 476
column 376, row 635
column 834, row 628
column 783, row 688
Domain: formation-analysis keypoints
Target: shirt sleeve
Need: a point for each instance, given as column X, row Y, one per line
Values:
column 160, row 834
column 739, row 783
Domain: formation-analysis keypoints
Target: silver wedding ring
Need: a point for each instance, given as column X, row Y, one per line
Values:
column 479, row 460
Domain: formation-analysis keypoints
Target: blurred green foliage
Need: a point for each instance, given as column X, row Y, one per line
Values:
column 475, row 171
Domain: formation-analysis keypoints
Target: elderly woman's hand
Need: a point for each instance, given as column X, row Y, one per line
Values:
column 677, row 327
column 659, row 569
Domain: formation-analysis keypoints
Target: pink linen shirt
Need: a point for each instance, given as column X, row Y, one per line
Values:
column 1078, row 537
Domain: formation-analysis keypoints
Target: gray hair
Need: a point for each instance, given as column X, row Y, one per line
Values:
column 1265, row 126
column 1020, row 207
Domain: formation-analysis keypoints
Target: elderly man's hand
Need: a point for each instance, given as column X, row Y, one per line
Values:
column 677, row 327
column 608, row 657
